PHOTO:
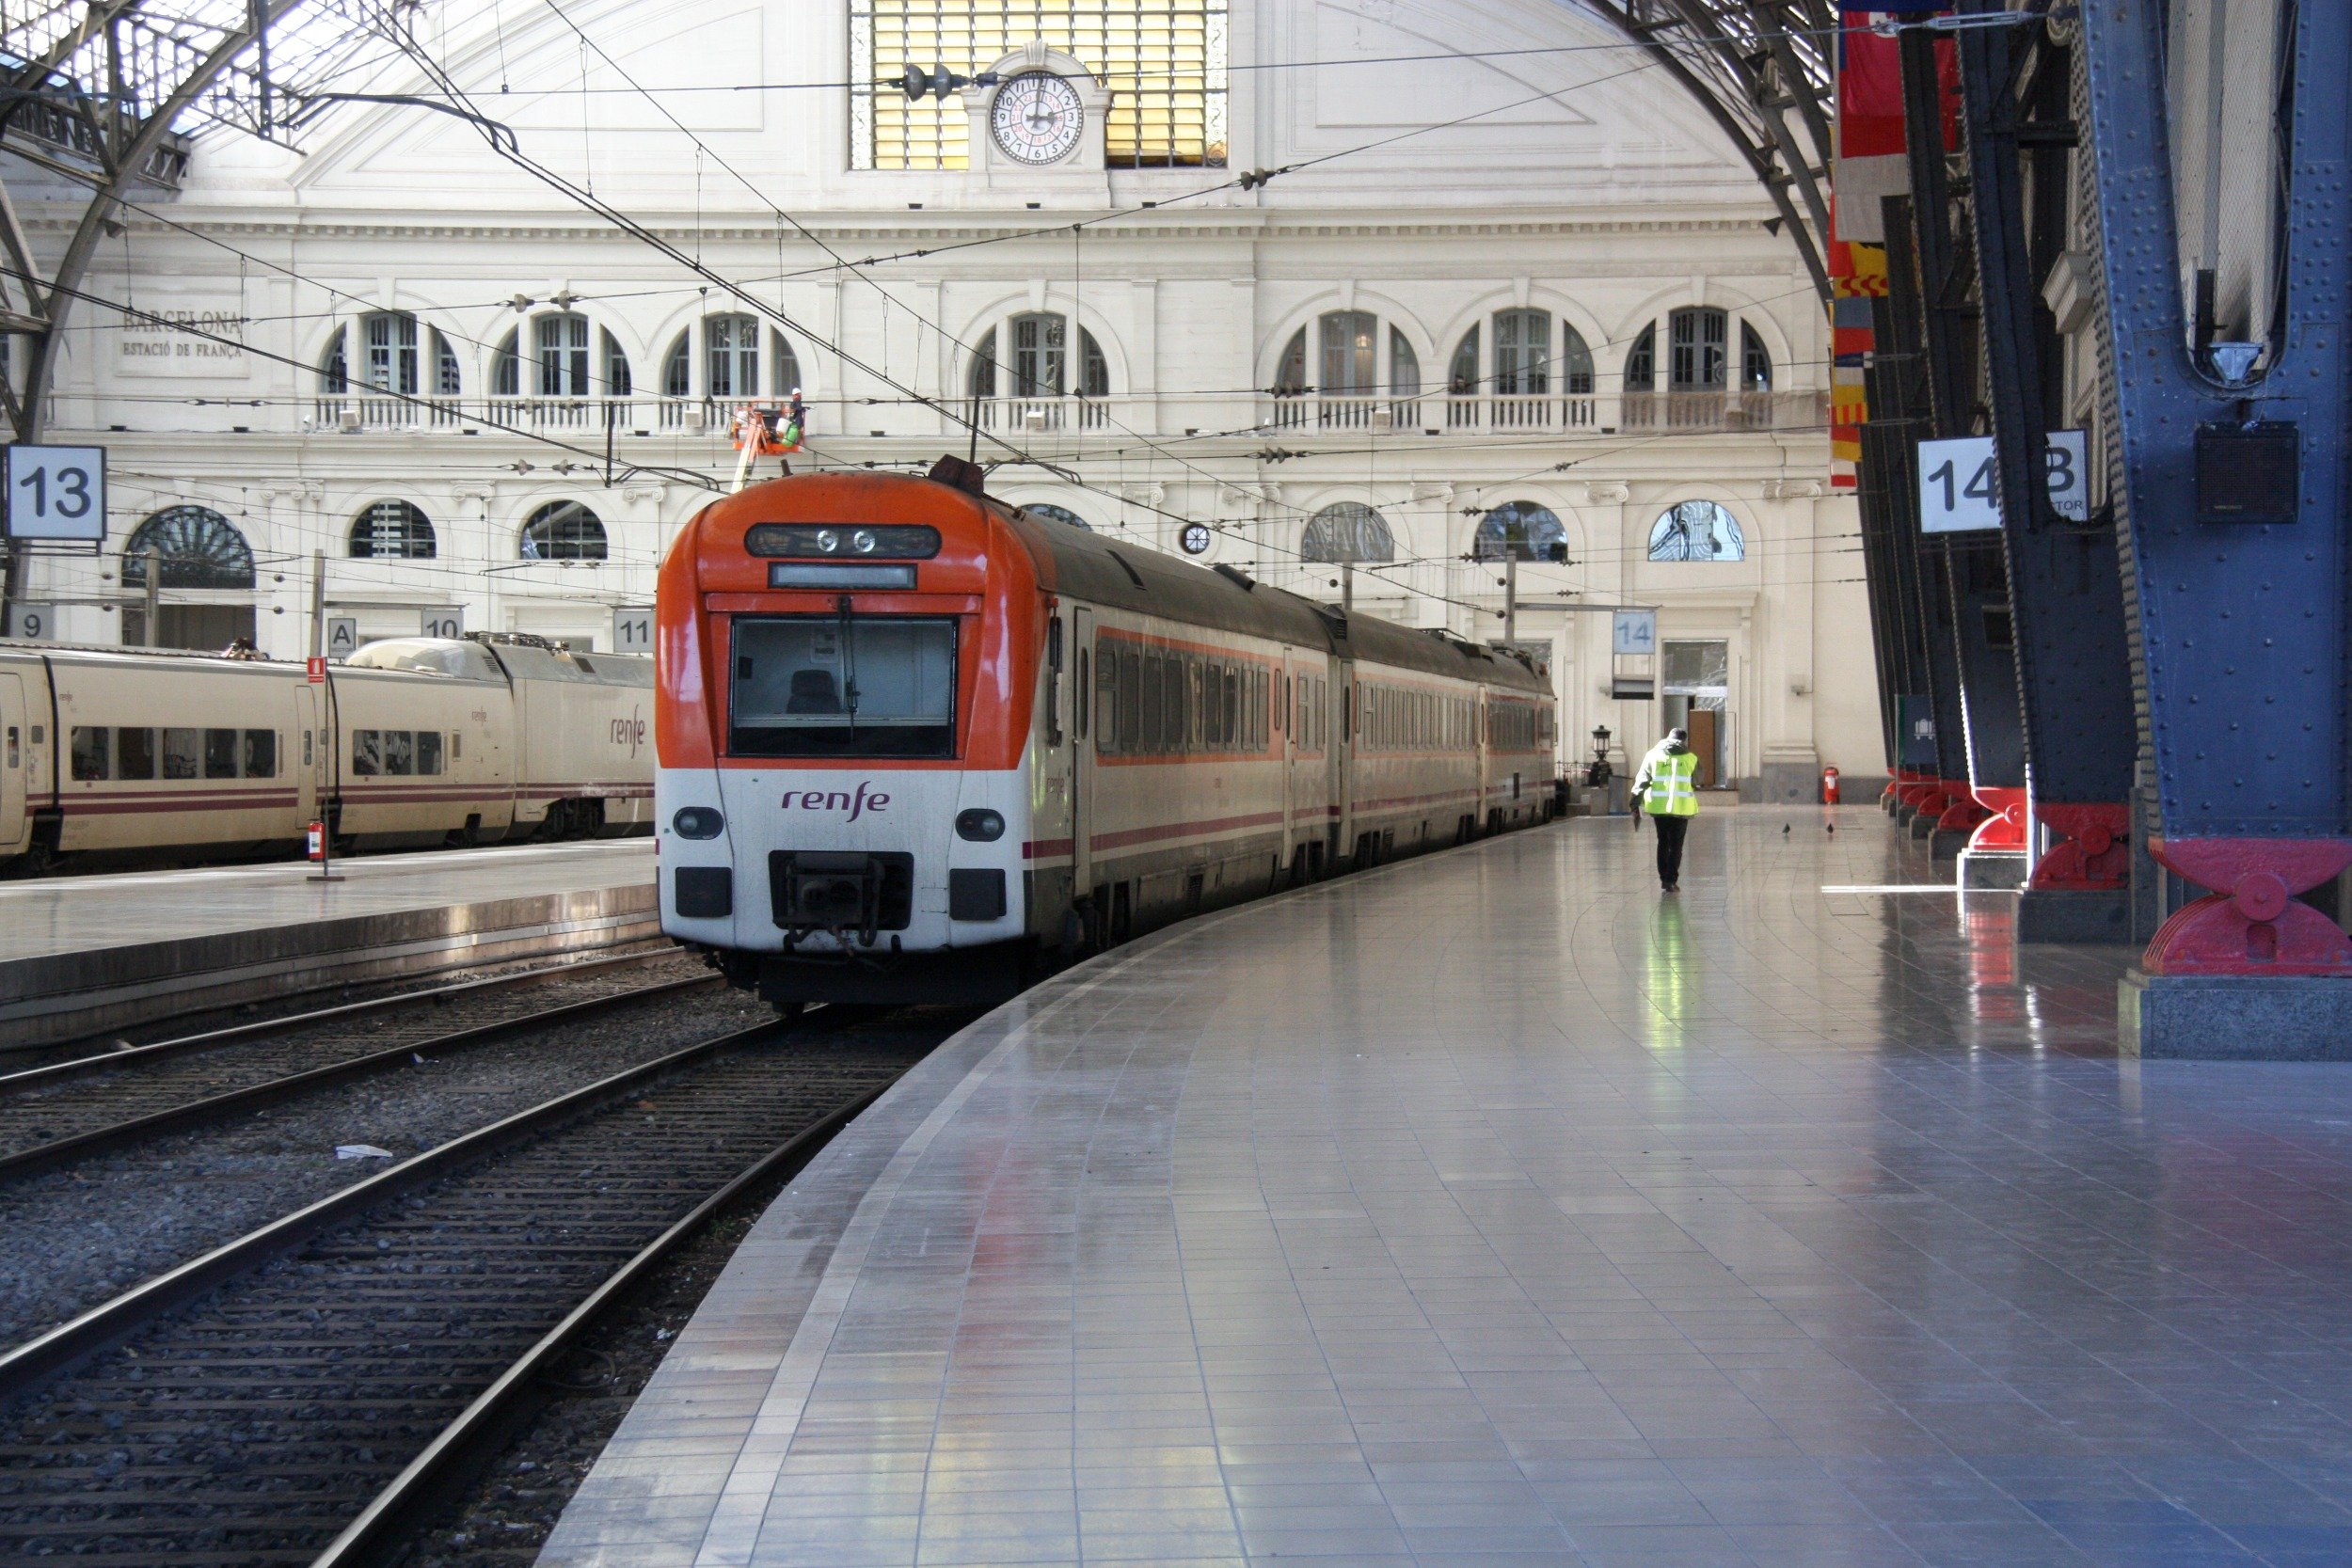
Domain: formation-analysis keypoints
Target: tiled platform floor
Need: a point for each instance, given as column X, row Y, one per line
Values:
column 1488, row 1210
column 72, row 914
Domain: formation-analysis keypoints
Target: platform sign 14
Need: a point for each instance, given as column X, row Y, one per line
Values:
column 1958, row 491
column 55, row 495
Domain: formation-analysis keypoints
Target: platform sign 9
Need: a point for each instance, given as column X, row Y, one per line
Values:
column 33, row 621
column 1957, row 490
column 632, row 631
column 55, row 495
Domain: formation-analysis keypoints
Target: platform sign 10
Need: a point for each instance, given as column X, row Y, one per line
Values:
column 444, row 623
column 55, row 495
column 632, row 631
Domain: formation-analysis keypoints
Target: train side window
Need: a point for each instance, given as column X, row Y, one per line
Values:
column 261, row 754
column 220, row 753
column 90, row 752
column 1107, row 701
column 184, row 753
column 399, row 753
column 1154, row 701
column 306, row 748
column 428, row 753
column 366, row 754
column 1053, row 681
column 1078, row 707
column 135, row 753
column 15, row 751
column 456, row 744
column 1130, row 711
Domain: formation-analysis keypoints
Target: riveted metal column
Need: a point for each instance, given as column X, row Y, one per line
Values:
column 2066, row 594
column 2238, row 628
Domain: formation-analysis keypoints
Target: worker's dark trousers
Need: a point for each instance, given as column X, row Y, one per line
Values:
column 1670, row 833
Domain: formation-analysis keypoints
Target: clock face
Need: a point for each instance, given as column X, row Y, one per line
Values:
column 1195, row 539
column 1036, row 117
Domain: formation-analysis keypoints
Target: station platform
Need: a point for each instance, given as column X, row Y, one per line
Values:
column 1496, row 1209
column 83, row 954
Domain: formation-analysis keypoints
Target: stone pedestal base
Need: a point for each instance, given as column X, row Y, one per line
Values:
column 1922, row 823
column 2235, row 1017
column 2054, row 914
column 1992, row 868
column 1945, row 844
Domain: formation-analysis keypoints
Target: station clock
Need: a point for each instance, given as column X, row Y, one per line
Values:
column 1037, row 117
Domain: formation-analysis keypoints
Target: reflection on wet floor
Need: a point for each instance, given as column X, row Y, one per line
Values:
column 1498, row 1209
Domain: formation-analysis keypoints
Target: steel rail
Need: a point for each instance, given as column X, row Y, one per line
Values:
column 110, row 1322
column 392, row 1520
column 80, row 1067
column 100, row 1140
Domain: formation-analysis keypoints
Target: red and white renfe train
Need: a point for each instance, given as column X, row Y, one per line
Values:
column 913, row 743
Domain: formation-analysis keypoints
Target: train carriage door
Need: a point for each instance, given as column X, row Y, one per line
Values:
column 1343, row 720
column 1085, row 714
column 16, row 763
column 304, row 743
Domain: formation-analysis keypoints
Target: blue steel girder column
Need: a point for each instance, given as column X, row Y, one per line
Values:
column 2237, row 629
column 2065, row 590
column 1941, row 293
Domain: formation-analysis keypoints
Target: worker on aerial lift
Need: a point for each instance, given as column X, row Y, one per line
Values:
column 1667, row 788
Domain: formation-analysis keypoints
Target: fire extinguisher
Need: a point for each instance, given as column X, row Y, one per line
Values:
column 318, row 841
column 1829, row 786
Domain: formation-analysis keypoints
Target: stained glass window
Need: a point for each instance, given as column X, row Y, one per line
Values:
column 1162, row 60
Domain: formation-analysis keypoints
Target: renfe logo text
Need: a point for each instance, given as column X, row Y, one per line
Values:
column 856, row 805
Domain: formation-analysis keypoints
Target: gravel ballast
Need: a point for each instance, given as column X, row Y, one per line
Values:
column 72, row 1237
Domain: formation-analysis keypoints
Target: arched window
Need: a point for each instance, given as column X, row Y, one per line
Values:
column 982, row 381
column 392, row 531
column 731, row 362
column 618, row 382
column 1351, row 353
column 198, row 548
column 1640, row 360
column 506, row 367
column 446, row 381
column 1696, row 530
column 564, row 531
column 1094, row 368
column 1519, row 528
column 1756, row 362
column 387, row 362
column 1575, row 363
column 1522, row 353
column 677, row 369
column 1058, row 514
column 1347, row 532
column 560, row 337
column 334, row 367
column 1289, row 377
column 1403, row 365
column 787, row 365
column 1695, row 334
column 1038, row 338
column 1462, row 379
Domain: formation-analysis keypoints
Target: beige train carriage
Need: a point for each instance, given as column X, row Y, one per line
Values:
column 427, row 746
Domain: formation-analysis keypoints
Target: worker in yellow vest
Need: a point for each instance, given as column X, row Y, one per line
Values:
column 1667, row 786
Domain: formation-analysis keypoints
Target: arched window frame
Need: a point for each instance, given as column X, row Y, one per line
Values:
column 392, row 531
column 559, row 344
column 1347, row 346
column 199, row 549
column 1698, row 337
column 1347, row 533
column 1522, row 529
column 1756, row 360
column 619, row 380
column 389, row 344
column 563, row 530
column 1640, row 360
column 506, row 366
column 1679, row 531
column 677, row 367
column 1029, row 356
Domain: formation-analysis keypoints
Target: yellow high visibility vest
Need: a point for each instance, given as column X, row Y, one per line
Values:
column 1673, row 783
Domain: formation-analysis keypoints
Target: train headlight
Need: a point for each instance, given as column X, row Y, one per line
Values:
column 697, row 822
column 863, row 541
column 828, row 540
column 980, row 825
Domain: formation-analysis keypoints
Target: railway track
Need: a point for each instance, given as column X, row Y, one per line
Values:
column 72, row 1110
column 310, row 1387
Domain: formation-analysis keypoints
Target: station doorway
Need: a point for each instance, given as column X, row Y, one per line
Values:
column 207, row 626
column 1695, row 689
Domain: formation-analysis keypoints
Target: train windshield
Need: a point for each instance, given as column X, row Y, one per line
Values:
column 843, row 686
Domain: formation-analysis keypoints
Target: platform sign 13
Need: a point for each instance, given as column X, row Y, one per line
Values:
column 55, row 495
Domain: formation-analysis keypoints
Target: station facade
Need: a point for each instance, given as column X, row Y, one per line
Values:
column 1566, row 319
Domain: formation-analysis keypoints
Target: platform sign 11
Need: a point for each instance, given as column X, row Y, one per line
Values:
column 632, row 631
column 55, row 495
